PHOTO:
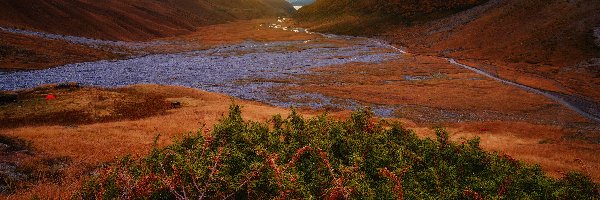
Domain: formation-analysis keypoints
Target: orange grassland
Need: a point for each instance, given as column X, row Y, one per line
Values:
column 92, row 126
column 88, row 144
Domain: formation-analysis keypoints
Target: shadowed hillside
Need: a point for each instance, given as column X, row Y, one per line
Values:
column 131, row 19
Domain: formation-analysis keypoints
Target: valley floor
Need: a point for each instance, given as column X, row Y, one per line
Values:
column 85, row 127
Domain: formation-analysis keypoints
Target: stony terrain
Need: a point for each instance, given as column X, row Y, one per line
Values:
column 245, row 70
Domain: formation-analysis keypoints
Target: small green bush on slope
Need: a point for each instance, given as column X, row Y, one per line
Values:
column 320, row 158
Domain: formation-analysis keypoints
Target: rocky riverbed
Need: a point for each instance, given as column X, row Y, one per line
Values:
column 246, row 70
column 253, row 70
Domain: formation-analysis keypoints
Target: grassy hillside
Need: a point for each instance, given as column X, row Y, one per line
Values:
column 131, row 19
column 26, row 52
column 297, row 158
column 541, row 43
column 535, row 31
column 532, row 42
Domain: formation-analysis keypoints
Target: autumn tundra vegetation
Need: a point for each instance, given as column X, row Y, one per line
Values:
column 320, row 158
column 91, row 83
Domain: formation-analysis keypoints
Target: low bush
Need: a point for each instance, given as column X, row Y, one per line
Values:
column 319, row 158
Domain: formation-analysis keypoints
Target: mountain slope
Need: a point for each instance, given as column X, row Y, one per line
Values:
column 18, row 52
column 547, row 44
column 532, row 31
column 544, row 44
column 131, row 19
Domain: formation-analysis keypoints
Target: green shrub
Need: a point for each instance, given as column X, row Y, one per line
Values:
column 317, row 158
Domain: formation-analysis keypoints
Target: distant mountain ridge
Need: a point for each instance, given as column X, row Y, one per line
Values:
column 131, row 19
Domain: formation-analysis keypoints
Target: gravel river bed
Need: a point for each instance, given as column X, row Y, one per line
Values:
column 246, row 70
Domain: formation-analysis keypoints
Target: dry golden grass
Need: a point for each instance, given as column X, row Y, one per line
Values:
column 75, row 105
column 533, row 143
column 508, row 120
column 447, row 87
column 89, row 145
column 19, row 52
column 534, row 42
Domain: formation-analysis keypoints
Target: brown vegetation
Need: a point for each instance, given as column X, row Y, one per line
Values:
column 544, row 44
column 431, row 90
column 131, row 19
column 87, row 145
column 371, row 17
column 74, row 149
column 112, row 123
column 18, row 52
column 71, row 105
column 526, row 126
column 239, row 31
